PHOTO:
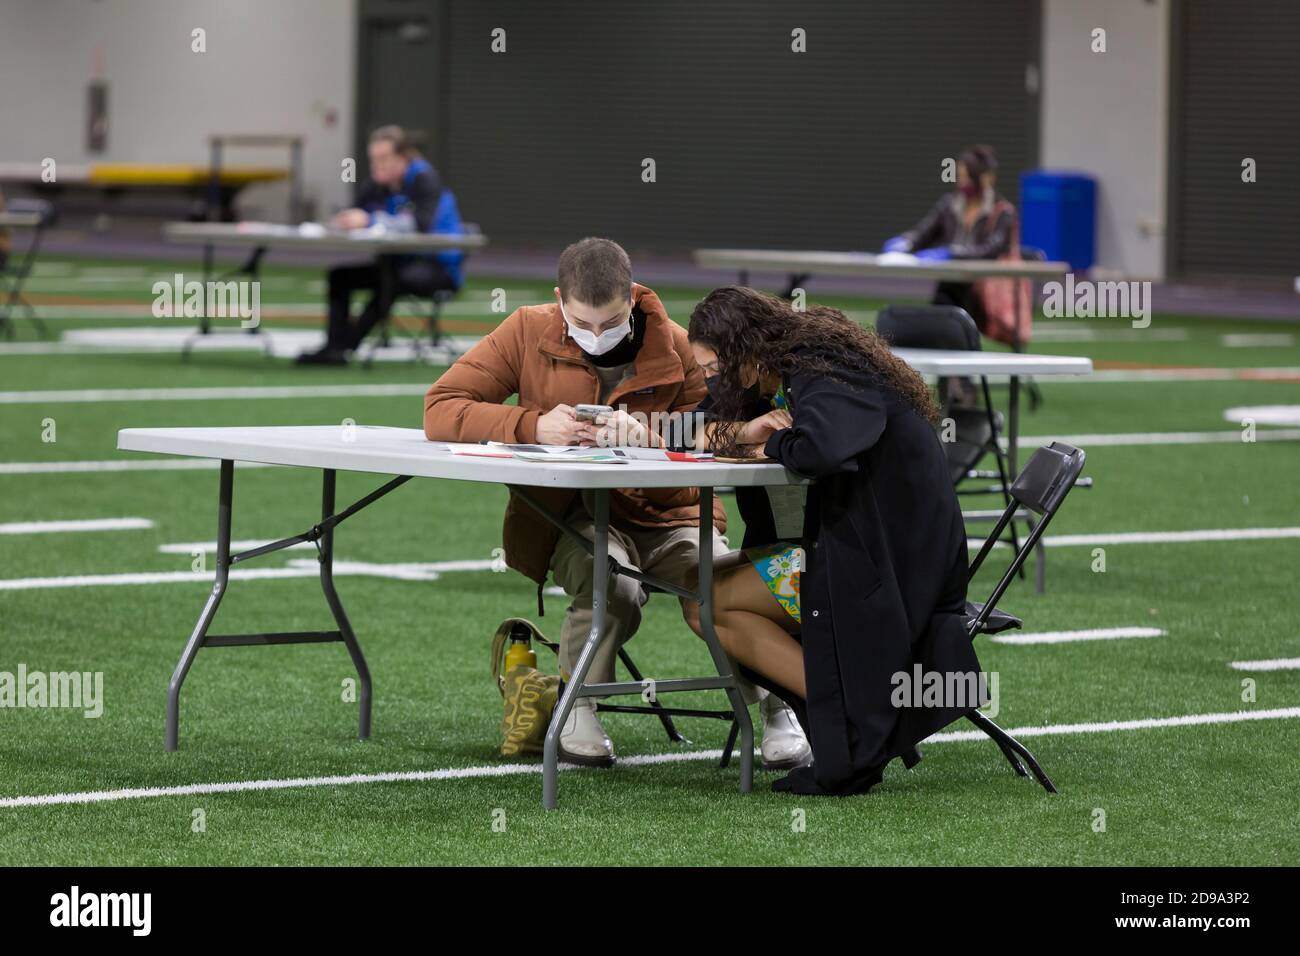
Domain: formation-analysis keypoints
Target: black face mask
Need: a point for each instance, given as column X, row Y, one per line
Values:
column 747, row 398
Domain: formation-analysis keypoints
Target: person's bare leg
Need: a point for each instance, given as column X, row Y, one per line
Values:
column 753, row 627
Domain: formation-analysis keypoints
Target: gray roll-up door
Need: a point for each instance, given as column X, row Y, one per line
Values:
column 753, row 144
column 1236, row 95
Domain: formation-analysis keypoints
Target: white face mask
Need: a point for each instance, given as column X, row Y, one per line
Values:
column 594, row 344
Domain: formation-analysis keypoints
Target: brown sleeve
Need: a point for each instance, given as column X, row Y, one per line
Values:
column 465, row 404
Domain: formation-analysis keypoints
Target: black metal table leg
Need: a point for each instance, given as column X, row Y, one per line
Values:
column 200, row 632
column 336, row 607
column 323, row 535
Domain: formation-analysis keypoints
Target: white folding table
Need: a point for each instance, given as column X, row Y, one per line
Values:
column 259, row 237
column 868, row 264
column 950, row 363
column 800, row 264
column 406, row 454
column 946, row 363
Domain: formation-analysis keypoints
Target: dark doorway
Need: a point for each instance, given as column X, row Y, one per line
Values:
column 400, row 72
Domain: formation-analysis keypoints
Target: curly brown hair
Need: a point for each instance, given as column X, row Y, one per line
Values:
column 745, row 325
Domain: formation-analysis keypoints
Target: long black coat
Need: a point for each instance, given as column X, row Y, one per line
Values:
column 884, row 583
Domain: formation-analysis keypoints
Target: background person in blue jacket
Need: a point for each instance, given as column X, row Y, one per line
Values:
column 405, row 194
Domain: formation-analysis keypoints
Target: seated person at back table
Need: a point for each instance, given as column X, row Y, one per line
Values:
column 974, row 222
column 403, row 193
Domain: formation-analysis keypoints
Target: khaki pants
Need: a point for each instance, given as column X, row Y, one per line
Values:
column 671, row 554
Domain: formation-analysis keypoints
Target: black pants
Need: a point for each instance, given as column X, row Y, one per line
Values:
column 412, row 276
column 960, row 294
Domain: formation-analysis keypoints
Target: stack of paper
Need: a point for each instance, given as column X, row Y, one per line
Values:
column 566, row 453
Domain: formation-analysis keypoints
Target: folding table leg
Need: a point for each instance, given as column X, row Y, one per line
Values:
column 218, row 591
column 205, row 320
column 720, row 659
column 1013, row 426
column 323, row 535
column 336, row 607
column 600, row 590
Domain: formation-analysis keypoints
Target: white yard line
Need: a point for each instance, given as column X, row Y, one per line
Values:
column 113, row 464
column 1172, row 537
column 210, row 547
column 85, row 524
column 1057, row 336
column 1246, row 340
column 209, row 393
column 1263, row 414
column 151, row 577
column 1155, row 537
column 1110, row 726
column 296, row 568
column 1285, row 372
column 1065, row 637
column 1123, row 439
column 517, row 769
column 95, row 311
column 1277, row 664
column 432, row 570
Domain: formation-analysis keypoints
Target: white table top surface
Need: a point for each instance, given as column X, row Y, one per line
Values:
column 405, row 451
column 14, row 219
column 948, row 362
column 272, row 234
column 871, row 264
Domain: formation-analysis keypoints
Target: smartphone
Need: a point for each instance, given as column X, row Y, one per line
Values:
column 592, row 413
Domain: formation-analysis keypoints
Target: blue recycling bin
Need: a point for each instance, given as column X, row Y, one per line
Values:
column 1058, row 214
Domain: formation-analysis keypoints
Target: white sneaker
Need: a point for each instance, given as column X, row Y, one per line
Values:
column 784, row 744
column 583, row 740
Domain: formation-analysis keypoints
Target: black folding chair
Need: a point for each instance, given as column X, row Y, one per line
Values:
column 13, row 276
column 666, row 714
column 1041, row 488
column 420, row 349
column 978, row 427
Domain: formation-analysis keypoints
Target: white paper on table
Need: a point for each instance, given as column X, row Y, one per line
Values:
column 591, row 456
column 896, row 259
column 471, row 448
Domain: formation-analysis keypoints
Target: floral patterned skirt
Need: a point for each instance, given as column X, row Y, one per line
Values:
column 779, row 566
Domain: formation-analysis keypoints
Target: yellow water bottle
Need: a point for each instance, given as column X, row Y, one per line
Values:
column 521, row 648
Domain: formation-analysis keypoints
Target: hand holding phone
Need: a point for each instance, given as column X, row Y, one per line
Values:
column 595, row 414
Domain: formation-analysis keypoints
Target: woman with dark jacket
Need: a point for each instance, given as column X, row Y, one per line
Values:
column 972, row 222
column 873, row 579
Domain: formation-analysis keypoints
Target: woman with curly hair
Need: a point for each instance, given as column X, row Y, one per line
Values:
column 839, row 594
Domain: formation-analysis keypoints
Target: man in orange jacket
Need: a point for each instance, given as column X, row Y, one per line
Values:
column 608, row 341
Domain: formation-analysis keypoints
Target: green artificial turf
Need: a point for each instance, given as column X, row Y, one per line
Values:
column 1198, row 794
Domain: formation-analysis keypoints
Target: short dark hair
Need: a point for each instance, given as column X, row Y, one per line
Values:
column 402, row 144
column 594, row 271
column 979, row 160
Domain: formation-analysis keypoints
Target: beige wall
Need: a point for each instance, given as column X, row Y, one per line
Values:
column 1106, row 114
column 269, row 67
